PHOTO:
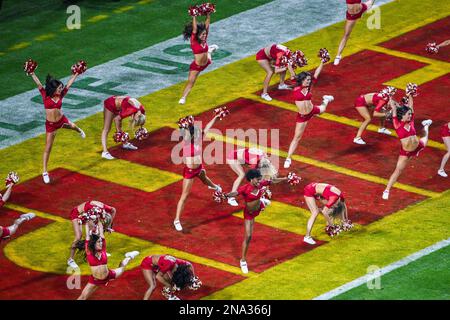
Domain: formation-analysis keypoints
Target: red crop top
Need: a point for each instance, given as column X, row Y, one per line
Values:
column 196, row 46
column 378, row 102
column 353, row 1
column 49, row 103
column 300, row 96
column 92, row 260
column 167, row 263
column 247, row 190
column 276, row 52
column 88, row 206
column 127, row 109
column 400, row 128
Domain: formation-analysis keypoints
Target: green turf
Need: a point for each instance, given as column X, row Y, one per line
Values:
column 426, row 279
column 22, row 21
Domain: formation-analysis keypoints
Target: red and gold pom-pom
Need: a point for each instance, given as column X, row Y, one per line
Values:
column 324, row 55
column 194, row 11
column 121, row 136
column 404, row 101
column 347, row 225
column 196, row 283
column 222, row 112
column 141, row 134
column 333, row 230
column 186, row 122
column 298, row 59
column 293, row 179
column 206, row 8
column 266, row 193
column 285, row 59
column 79, row 67
column 388, row 92
column 432, row 48
column 11, row 178
column 411, row 89
column 29, row 66
column 219, row 196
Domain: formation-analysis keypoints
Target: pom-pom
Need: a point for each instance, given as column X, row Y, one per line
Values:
column 121, row 136
column 206, row 8
column 29, row 66
column 324, row 55
column 195, row 284
column 285, row 59
column 298, row 59
column 79, row 67
column 333, row 230
column 194, row 11
column 347, row 225
column 432, row 48
column 222, row 112
column 141, row 134
column 186, row 122
column 168, row 293
column 219, row 196
column 293, row 179
column 266, row 193
column 388, row 92
column 11, row 178
column 411, row 89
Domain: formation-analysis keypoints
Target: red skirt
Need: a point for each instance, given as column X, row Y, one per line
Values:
column 195, row 67
column 261, row 55
column 414, row 153
column 252, row 215
column 103, row 282
column 53, row 126
column 306, row 117
column 445, row 131
column 189, row 173
column 357, row 15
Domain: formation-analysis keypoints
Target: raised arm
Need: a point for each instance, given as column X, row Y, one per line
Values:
column 71, row 80
column 88, row 234
column 5, row 196
column 36, row 80
column 194, row 25
column 209, row 125
column 318, row 70
column 207, row 21
column 411, row 103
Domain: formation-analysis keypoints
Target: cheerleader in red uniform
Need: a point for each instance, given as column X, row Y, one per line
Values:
column 192, row 156
column 253, row 193
column 377, row 100
column 255, row 159
column 85, row 209
column 355, row 9
column 198, row 34
column 410, row 144
column 117, row 108
column 171, row 272
column 306, row 110
column 445, row 134
column 7, row 232
column 334, row 204
column 52, row 97
column 95, row 248
column 269, row 58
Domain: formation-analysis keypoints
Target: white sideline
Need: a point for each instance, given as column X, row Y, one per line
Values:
column 403, row 262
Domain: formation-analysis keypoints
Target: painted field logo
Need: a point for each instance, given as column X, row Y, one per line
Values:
column 74, row 20
column 374, row 21
column 74, row 280
column 373, row 278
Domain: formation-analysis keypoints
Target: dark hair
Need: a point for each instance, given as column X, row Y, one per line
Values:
column 187, row 32
column 79, row 246
column 194, row 133
column 252, row 174
column 401, row 111
column 92, row 242
column 337, row 209
column 302, row 76
column 182, row 277
column 51, row 84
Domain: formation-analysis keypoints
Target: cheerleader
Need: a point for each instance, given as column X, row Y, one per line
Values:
column 117, row 108
column 170, row 272
column 377, row 100
column 198, row 34
column 334, row 205
column 410, row 144
column 79, row 215
column 269, row 58
column 306, row 109
column 255, row 159
column 192, row 156
column 95, row 248
column 445, row 134
column 355, row 9
column 252, row 193
column 52, row 96
column 7, row 232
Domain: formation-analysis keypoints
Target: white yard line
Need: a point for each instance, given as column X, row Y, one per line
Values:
column 369, row 277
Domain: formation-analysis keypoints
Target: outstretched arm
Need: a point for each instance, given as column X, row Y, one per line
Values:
column 71, row 80
column 444, row 44
column 318, row 70
column 5, row 197
column 209, row 125
column 278, row 180
column 36, row 80
column 194, row 25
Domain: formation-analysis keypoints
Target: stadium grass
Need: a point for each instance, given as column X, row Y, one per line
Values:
column 423, row 279
column 308, row 275
column 56, row 48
